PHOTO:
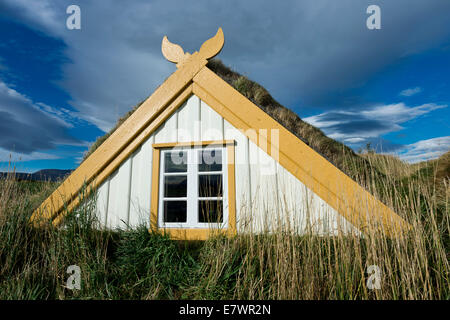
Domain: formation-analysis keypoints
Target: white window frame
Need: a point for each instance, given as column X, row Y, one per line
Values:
column 192, row 197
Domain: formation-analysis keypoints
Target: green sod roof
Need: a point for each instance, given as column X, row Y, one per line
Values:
column 337, row 153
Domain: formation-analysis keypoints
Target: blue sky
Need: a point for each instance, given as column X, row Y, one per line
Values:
column 60, row 89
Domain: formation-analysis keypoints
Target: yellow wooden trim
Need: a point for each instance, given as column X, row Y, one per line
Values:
column 130, row 148
column 175, row 53
column 211, row 47
column 120, row 138
column 342, row 193
column 155, row 190
column 332, row 185
column 231, row 160
column 192, row 143
column 194, row 233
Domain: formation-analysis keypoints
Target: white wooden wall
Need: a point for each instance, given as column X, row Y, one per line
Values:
column 268, row 197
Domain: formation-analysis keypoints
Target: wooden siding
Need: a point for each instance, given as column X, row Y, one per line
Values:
column 268, row 197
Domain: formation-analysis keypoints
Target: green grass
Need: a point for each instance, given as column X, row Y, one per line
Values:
column 136, row 264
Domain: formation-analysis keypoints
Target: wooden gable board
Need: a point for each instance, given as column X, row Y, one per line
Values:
column 342, row 193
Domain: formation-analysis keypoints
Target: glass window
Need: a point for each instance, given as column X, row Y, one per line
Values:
column 175, row 161
column 192, row 185
column 175, row 211
column 175, row 186
column 210, row 160
column 210, row 185
column 210, row 211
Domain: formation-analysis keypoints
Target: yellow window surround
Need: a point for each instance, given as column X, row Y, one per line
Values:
column 191, row 233
column 351, row 200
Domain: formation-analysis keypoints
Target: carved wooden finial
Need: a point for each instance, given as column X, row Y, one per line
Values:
column 209, row 49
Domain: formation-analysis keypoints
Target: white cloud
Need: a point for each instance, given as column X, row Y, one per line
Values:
column 27, row 127
column 14, row 157
column 410, row 92
column 64, row 116
column 353, row 140
column 425, row 149
column 360, row 125
column 42, row 14
column 399, row 112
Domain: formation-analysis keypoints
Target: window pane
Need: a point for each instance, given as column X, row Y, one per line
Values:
column 175, row 186
column 175, row 211
column 210, row 160
column 210, row 185
column 175, row 161
column 210, row 211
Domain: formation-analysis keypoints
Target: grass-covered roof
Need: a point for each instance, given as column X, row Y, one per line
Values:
column 336, row 152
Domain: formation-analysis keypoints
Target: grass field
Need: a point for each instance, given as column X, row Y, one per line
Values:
column 139, row 265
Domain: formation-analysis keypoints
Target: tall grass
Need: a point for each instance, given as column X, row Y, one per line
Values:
column 136, row 264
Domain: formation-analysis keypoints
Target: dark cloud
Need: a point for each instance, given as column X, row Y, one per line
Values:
column 25, row 128
column 354, row 126
column 350, row 123
column 315, row 52
column 359, row 127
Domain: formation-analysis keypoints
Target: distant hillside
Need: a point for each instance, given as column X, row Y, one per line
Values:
column 436, row 169
column 443, row 166
column 41, row 175
column 433, row 173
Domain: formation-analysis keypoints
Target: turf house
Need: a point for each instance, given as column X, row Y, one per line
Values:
column 210, row 151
